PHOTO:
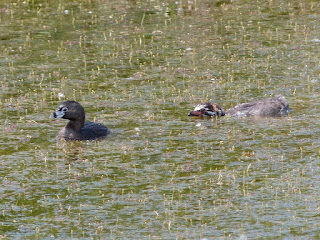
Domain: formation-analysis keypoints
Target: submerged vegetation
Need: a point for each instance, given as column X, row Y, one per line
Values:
column 139, row 67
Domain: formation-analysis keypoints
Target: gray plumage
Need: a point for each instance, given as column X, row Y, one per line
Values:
column 77, row 128
column 270, row 107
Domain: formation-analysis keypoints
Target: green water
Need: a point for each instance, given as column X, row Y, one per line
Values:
column 139, row 67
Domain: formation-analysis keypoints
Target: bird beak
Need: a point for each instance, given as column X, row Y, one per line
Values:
column 57, row 114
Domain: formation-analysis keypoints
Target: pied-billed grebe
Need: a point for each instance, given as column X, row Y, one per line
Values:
column 269, row 107
column 207, row 109
column 77, row 128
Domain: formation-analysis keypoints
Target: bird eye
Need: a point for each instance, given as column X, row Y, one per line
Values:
column 62, row 109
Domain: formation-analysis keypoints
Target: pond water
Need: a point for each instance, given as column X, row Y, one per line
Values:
column 139, row 67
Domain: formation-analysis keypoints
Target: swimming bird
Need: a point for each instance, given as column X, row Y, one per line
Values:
column 77, row 128
column 269, row 107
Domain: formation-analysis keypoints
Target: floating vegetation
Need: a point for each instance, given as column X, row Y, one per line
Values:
column 139, row 67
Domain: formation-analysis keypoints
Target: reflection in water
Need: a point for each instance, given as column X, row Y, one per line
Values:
column 72, row 150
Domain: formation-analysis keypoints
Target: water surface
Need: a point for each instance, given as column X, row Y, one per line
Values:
column 139, row 67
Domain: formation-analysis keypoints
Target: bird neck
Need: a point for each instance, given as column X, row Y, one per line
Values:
column 75, row 124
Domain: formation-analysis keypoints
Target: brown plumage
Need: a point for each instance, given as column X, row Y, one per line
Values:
column 77, row 128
